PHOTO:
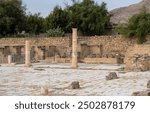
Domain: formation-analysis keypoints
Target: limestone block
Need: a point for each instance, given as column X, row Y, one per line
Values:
column 27, row 53
column 75, row 85
column 148, row 84
column 44, row 90
column 9, row 59
column 111, row 76
column 141, row 93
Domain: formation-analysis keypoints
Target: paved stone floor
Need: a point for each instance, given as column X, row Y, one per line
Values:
column 21, row 81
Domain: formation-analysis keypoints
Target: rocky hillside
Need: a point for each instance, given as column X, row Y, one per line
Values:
column 121, row 15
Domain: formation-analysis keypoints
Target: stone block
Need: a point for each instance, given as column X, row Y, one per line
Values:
column 141, row 93
column 44, row 90
column 148, row 84
column 75, row 85
column 111, row 76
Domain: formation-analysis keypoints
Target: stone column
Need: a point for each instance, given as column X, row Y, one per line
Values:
column 74, row 49
column 9, row 59
column 27, row 53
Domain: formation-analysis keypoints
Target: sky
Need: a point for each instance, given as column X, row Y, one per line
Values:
column 44, row 7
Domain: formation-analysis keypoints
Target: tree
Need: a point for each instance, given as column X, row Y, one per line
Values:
column 89, row 17
column 12, row 17
column 58, row 18
column 55, row 32
column 35, row 24
column 137, row 27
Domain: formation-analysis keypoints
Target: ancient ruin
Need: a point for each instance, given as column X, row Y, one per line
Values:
column 55, row 61
column 111, row 76
column 27, row 53
column 44, row 91
column 103, row 49
column 90, row 50
column 138, row 58
column 141, row 93
column 74, row 49
column 75, row 85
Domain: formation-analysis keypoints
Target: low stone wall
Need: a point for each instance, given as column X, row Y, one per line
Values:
column 3, row 60
column 52, row 41
column 102, row 49
column 138, row 62
column 94, row 46
column 110, row 44
column 137, row 49
column 100, row 61
column 53, row 60
column 137, row 58
column 114, row 43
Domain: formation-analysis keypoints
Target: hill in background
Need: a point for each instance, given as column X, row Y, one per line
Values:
column 121, row 15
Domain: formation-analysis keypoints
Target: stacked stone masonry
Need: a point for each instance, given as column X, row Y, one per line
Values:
column 94, row 49
column 137, row 58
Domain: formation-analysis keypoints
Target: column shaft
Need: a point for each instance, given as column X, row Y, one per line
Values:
column 74, row 49
column 27, row 53
column 9, row 59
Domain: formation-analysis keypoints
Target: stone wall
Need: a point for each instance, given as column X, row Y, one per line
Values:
column 94, row 49
column 53, row 41
column 3, row 59
column 53, row 60
column 110, row 44
column 100, row 61
column 60, row 47
column 137, row 58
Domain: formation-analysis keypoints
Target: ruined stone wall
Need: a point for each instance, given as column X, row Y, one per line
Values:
column 137, row 57
column 138, row 49
column 114, row 43
column 88, row 47
column 59, row 41
column 100, row 61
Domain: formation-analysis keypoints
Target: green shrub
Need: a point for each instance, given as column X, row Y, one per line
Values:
column 55, row 32
column 137, row 27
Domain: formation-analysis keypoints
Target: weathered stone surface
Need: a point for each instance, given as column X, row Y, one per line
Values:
column 94, row 47
column 27, row 53
column 9, row 59
column 3, row 58
column 137, row 58
column 57, row 56
column 141, row 93
column 99, row 60
column 119, row 59
column 44, row 90
column 148, row 84
column 75, row 85
column 74, row 49
column 139, row 62
column 111, row 76
column 13, row 64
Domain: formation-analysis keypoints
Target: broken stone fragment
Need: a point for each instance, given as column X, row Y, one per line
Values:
column 141, row 93
column 44, row 91
column 139, row 62
column 75, row 85
column 148, row 84
column 111, row 76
